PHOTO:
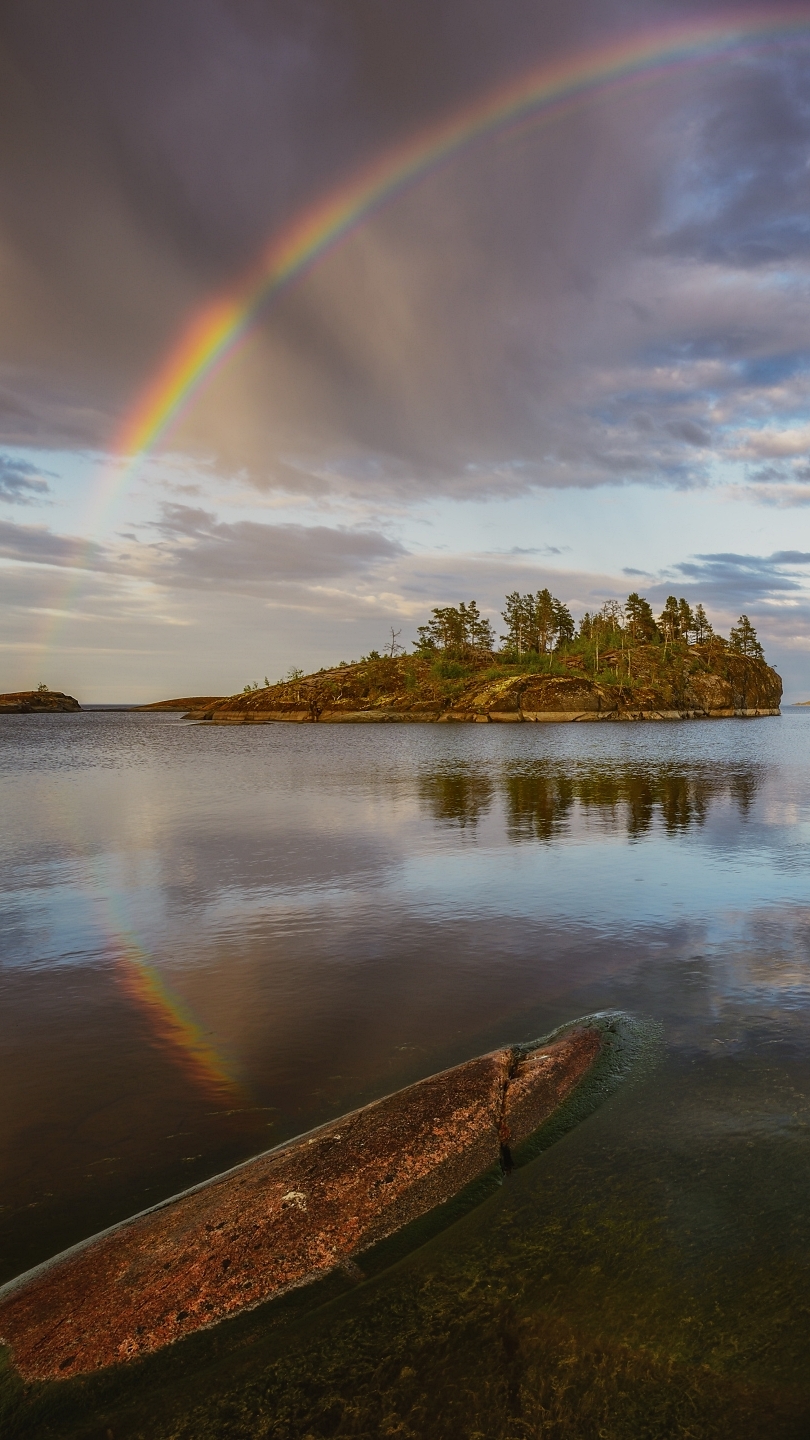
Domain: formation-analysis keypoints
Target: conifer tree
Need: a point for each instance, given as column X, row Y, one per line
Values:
column 563, row 623
column 536, row 623
column 702, row 628
column 459, row 629
column 639, row 618
column 743, row 639
column 669, row 621
column 686, row 619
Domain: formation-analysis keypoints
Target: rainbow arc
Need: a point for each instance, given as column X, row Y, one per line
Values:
column 214, row 333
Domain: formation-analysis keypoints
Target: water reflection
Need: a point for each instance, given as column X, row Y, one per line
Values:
column 462, row 794
column 539, row 797
column 324, row 914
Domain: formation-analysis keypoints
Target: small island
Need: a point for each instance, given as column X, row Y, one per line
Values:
column 37, row 702
column 620, row 663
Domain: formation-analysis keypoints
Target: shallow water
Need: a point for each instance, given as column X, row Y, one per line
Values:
column 214, row 938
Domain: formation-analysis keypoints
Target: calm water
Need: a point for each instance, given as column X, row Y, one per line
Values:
column 214, row 938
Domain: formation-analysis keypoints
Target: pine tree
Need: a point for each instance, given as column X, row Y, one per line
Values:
column 544, row 620
column 518, row 622
column 535, row 623
column 686, row 619
column 702, row 628
column 458, row 629
column 563, row 623
column 639, row 618
column 669, row 621
column 743, row 639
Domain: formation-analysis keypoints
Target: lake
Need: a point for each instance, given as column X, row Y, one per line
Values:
column 215, row 938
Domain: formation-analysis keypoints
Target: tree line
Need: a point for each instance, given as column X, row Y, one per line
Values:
column 540, row 624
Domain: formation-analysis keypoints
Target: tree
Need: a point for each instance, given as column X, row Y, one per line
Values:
column 518, row 614
column 393, row 646
column 563, row 623
column 669, row 621
column 460, row 629
column 702, row 628
column 544, row 621
column 42, row 688
column 686, row 619
column 536, row 623
column 743, row 639
column 639, row 618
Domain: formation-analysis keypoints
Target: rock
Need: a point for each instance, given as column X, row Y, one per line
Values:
column 191, row 702
column 288, row 1217
column 700, row 681
column 35, row 702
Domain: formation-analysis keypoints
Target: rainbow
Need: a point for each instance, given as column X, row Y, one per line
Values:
column 214, row 333
column 173, row 1025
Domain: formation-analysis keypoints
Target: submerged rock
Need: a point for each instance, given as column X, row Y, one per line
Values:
column 287, row 1217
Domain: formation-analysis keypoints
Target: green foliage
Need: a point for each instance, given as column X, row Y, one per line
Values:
column 541, row 634
column 639, row 618
column 445, row 669
column 535, row 623
column 42, row 688
column 743, row 639
column 460, row 630
column 703, row 630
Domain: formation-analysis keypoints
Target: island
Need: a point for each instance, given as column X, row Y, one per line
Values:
column 191, row 702
column 620, row 663
column 37, row 702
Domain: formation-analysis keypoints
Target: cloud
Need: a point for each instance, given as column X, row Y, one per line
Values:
column 770, row 443
column 200, row 550
column 690, row 432
column 37, row 545
column 20, row 482
column 609, row 300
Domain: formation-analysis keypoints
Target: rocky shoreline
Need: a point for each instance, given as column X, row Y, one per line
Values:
column 37, row 702
column 700, row 682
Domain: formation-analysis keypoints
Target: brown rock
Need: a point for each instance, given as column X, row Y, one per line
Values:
column 33, row 702
column 191, row 702
column 287, row 1217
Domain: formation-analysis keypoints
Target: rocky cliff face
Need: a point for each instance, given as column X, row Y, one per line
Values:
column 698, row 681
column 29, row 702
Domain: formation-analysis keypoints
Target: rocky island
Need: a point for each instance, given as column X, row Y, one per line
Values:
column 619, row 664
column 36, row 702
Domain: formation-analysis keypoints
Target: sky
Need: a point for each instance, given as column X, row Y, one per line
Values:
column 575, row 354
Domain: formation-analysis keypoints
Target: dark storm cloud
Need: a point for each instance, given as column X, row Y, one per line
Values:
column 752, row 152
column 557, row 308
column 20, row 482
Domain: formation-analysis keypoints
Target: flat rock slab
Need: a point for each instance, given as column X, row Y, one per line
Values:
column 287, row 1217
